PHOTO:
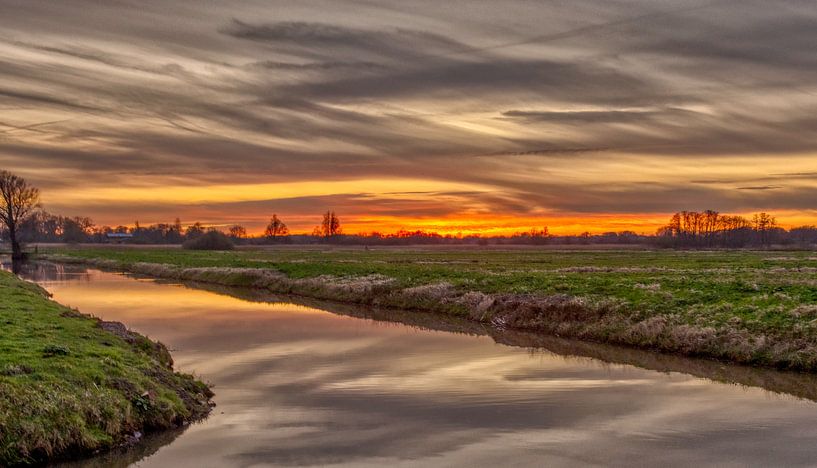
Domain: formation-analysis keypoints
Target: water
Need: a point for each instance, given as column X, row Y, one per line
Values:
column 297, row 385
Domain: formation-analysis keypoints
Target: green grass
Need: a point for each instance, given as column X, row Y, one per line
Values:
column 754, row 294
column 68, row 387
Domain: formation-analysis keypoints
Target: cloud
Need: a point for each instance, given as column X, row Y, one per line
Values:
column 32, row 98
column 557, row 81
column 577, row 107
column 761, row 187
column 318, row 66
column 580, row 117
column 329, row 40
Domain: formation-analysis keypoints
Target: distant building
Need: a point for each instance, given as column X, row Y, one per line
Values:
column 118, row 237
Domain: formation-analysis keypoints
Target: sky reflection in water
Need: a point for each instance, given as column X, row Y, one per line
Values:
column 300, row 386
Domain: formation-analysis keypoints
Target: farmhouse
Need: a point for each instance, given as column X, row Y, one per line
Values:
column 118, row 237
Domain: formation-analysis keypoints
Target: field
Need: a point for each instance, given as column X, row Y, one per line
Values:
column 71, row 385
column 753, row 307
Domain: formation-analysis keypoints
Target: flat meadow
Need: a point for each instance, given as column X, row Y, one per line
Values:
column 753, row 307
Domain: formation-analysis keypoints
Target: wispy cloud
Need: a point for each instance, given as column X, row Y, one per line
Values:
column 590, row 107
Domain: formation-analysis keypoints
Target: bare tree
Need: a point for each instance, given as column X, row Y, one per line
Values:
column 195, row 230
column 18, row 200
column 764, row 224
column 276, row 228
column 238, row 232
column 330, row 226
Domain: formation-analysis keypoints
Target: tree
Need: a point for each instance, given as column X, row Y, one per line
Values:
column 18, row 200
column 330, row 226
column 194, row 231
column 175, row 233
column 764, row 224
column 75, row 230
column 276, row 228
column 238, row 232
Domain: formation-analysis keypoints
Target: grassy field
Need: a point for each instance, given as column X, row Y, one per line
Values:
column 754, row 307
column 71, row 385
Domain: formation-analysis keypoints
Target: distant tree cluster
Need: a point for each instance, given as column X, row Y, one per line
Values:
column 42, row 226
column 803, row 235
column 712, row 229
column 532, row 237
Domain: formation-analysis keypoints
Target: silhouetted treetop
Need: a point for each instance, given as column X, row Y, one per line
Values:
column 18, row 200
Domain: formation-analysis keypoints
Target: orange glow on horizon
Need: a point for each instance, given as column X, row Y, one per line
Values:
column 388, row 205
column 503, row 225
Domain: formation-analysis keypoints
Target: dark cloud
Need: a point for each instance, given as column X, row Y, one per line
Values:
column 678, row 132
column 581, row 117
column 761, row 187
column 766, row 41
column 531, row 101
column 30, row 98
column 319, row 66
column 573, row 82
column 321, row 39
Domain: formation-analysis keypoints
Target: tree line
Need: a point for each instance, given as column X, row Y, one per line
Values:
column 43, row 227
column 686, row 229
column 22, row 219
column 712, row 229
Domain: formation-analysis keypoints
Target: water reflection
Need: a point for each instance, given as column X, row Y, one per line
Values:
column 300, row 386
column 794, row 383
column 127, row 456
column 13, row 265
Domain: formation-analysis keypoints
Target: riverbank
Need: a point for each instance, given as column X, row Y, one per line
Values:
column 799, row 384
column 72, row 385
column 755, row 308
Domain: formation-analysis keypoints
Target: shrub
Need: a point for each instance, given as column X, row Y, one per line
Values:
column 213, row 240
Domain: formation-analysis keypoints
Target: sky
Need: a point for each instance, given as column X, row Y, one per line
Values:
column 478, row 116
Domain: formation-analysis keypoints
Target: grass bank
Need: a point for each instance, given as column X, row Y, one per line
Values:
column 757, row 308
column 72, row 385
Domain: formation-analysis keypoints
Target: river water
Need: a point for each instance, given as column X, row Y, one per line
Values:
column 306, row 383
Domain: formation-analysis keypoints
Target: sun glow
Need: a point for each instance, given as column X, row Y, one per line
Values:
column 232, row 193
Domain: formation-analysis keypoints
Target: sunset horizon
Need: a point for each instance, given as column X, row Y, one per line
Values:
column 483, row 225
